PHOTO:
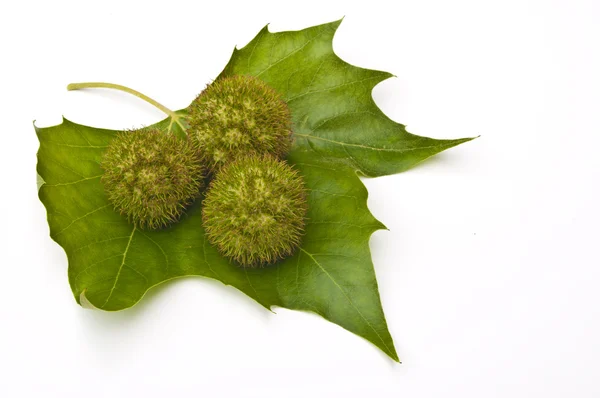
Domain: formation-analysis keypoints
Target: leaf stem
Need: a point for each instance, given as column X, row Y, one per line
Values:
column 79, row 86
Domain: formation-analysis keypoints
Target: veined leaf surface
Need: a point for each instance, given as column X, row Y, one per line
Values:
column 338, row 131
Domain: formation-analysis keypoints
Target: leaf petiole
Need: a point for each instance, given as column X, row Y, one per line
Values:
column 175, row 118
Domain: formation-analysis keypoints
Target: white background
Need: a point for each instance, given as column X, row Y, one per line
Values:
column 490, row 272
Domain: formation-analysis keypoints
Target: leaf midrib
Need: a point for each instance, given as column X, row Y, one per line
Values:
column 349, row 300
column 368, row 147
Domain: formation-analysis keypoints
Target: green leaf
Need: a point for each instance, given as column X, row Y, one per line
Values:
column 332, row 108
column 338, row 131
column 114, row 264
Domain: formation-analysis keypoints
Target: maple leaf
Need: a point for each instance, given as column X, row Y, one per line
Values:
column 338, row 131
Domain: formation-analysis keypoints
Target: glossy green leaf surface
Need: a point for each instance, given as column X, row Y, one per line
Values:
column 338, row 131
column 333, row 111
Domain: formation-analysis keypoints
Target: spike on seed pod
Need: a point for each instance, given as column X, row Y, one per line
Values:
column 254, row 210
column 239, row 115
column 151, row 177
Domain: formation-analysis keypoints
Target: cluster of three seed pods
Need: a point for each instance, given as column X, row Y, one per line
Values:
column 239, row 132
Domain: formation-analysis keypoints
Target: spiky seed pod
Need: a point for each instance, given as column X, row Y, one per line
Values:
column 151, row 177
column 239, row 115
column 254, row 210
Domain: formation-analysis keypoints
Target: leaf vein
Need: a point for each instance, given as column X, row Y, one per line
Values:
column 99, row 241
column 120, row 268
column 291, row 53
column 161, row 249
column 251, row 285
column 258, row 39
column 337, row 222
column 81, row 133
column 81, row 218
column 73, row 182
column 329, row 88
column 373, row 148
column 348, row 298
column 93, row 265
column 334, row 194
column 136, row 271
column 206, row 259
column 76, row 146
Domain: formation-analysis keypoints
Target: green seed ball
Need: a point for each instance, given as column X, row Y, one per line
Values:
column 151, row 177
column 254, row 210
column 239, row 115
